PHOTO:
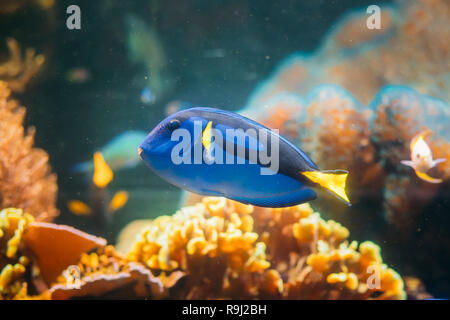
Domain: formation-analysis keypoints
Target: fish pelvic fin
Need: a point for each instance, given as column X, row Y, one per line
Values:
column 427, row 178
column 333, row 181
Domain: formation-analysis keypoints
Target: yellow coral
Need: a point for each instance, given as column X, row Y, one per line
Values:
column 12, row 224
column 215, row 227
column 232, row 250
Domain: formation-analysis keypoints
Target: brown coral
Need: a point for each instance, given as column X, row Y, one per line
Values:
column 26, row 180
column 231, row 250
column 17, row 71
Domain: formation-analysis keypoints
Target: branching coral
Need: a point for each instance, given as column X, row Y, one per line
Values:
column 17, row 71
column 230, row 250
column 26, row 180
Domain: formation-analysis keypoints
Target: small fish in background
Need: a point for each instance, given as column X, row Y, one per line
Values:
column 147, row 96
column 78, row 75
column 422, row 157
column 119, row 153
column 145, row 47
column 100, row 207
column 241, row 178
column 214, row 53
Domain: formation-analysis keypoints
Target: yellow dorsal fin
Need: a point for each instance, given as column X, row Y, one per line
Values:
column 333, row 181
column 118, row 201
column 420, row 135
column 79, row 208
column 206, row 137
column 427, row 178
column 102, row 172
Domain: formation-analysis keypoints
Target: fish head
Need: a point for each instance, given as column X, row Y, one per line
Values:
column 160, row 142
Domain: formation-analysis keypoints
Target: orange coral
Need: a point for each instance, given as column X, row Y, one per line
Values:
column 18, row 70
column 338, row 133
column 48, row 240
column 104, row 271
column 230, row 250
column 26, row 180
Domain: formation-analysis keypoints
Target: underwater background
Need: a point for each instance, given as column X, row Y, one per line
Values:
column 350, row 97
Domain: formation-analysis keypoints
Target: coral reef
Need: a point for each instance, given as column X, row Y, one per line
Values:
column 363, row 60
column 104, row 271
column 26, row 180
column 16, row 267
column 18, row 70
column 348, row 116
column 29, row 268
column 370, row 141
column 229, row 250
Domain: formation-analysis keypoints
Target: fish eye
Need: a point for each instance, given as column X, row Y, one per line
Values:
column 173, row 124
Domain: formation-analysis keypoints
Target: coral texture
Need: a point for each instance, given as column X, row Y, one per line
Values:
column 363, row 60
column 229, row 250
column 18, row 70
column 26, row 180
column 103, row 271
column 15, row 262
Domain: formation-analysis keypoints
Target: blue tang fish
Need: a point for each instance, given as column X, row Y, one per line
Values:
column 119, row 153
column 231, row 162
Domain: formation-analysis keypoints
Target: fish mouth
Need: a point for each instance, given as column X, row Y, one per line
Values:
column 140, row 150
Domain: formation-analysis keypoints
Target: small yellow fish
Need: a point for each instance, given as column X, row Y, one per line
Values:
column 422, row 158
column 118, row 201
column 102, row 172
column 79, row 208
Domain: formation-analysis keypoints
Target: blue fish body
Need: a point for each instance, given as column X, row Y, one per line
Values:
column 240, row 178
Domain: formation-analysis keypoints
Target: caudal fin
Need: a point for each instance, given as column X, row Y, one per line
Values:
column 427, row 178
column 333, row 181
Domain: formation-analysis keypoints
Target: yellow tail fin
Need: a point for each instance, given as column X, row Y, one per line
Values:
column 332, row 180
column 427, row 178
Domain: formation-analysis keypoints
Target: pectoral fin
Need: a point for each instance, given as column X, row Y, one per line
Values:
column 437, row 161
column 427, row 178
column 408, row 163
column 333, row 181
